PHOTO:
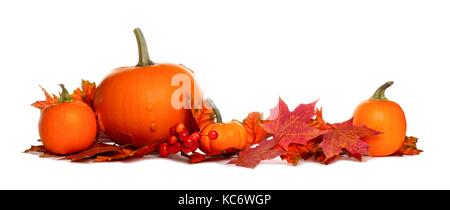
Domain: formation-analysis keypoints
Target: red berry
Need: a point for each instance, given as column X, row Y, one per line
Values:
column 163, row 150
column 185, row 150
column 183, row 134
column 212, row 134
column 187, row 141
column 195, row 136
column 172, row 131
column 172, row 140
column 175, row 148
column 179, row 127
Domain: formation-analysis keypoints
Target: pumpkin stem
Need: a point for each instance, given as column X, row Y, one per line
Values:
column 379, row 93
column 144, row 58
column 215, row 109
column 64, row 96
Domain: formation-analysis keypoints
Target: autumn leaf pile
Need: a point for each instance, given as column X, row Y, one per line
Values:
column 298, row 135
column 293, row 136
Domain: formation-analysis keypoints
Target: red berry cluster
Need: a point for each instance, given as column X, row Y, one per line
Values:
column 179, row 140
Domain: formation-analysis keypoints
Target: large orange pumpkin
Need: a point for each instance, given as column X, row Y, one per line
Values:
column 134, row 105
column 385, row 116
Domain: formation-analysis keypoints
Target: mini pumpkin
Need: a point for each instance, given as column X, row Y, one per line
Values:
column 220, row 137
column 67, row 126
column 385, row 116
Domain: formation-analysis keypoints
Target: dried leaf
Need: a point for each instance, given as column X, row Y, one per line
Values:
column 287, row 128
column 252, row 125
column 85, row 93
column 197, row 157
column 297, row 152
column 319, row 122
column 40, row 149
column 100, row 151
column 77, row 95
column 251, row 157
column 94, row 150
column 346, row 137
column 292, row 127
column 50, row 99
column 88, row 89
column 127, row 153
column 409, row 147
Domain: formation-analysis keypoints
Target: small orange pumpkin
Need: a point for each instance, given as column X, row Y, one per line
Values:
column 134, row 104
column 219, row 137
column 385, row 116
column 68, row 126
column 230, row 136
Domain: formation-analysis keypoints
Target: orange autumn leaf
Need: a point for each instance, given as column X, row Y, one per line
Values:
column 94, row 150
column 85, row 93
column 101, row 152
column 252, row 125
column 197, row 157
column 88, row 88
column 297, row 152
column 127, row 153
column 77, row 95
column 50, row 99
column 40, row 149
column 319, row 122
column 409, row 147
column 206, row 115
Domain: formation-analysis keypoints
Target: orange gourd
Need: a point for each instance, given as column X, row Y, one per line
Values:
column 68, row 126
column 228, row 137
column 231, row 135
column 385, row 116
column 134, row 104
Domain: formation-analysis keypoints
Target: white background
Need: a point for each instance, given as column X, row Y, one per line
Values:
column 245, row 54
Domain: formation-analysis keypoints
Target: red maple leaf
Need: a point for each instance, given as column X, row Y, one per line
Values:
column 287, row 128
column 344, row 137
column 292, row 127
column 251, row 157
column 319, row 122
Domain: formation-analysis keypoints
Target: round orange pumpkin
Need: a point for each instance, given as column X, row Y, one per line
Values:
column 230, row 136
column 226, row 138
column 385, row 116
column 134, row 104
column 68, row 126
